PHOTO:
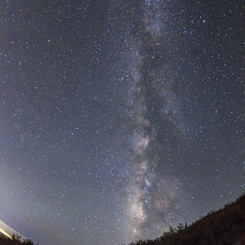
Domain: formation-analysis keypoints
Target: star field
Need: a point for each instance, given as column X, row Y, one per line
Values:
column 118, row 118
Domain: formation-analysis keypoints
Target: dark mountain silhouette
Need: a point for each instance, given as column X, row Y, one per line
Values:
column 223, row 227
column 16, row 240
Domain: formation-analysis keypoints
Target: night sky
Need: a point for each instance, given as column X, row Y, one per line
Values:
column 118, row 118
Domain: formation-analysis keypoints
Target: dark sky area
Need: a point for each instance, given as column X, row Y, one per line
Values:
column 118, row 118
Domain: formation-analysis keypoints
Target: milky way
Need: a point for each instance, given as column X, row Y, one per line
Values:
column 118, row 118
column 152, row 99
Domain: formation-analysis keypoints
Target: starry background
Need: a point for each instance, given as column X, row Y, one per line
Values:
column 118, row 118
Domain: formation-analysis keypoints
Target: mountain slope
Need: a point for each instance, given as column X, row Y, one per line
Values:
column 223, row 227
column 16, row 241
